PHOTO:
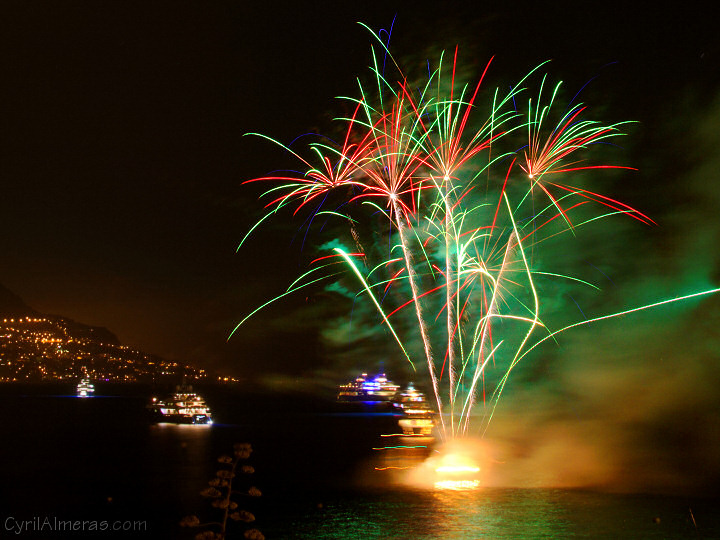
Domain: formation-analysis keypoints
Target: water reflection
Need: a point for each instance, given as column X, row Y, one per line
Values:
column 189, row 449
column 439, row 514
column 499, row 513
column 494, row 513
column 413, row 500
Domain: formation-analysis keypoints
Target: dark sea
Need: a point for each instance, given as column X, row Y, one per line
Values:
column 100, row 459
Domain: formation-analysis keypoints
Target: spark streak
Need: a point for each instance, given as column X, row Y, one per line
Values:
column 410, row 164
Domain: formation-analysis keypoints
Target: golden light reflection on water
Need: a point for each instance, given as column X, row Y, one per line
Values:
column 457, row 485
column 456, row 465
column 420, row 462
column 455, row 470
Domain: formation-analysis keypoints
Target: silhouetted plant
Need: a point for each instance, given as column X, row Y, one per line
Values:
column 220, row 493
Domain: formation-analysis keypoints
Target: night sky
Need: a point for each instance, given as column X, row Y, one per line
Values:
column 122, row 159
column 123, row 155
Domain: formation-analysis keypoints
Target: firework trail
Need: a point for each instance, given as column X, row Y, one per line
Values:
column 449, row 183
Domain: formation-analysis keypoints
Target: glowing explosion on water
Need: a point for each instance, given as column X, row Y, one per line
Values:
column 466, row 193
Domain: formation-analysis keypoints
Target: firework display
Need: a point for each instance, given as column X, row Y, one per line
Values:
column 464, row 183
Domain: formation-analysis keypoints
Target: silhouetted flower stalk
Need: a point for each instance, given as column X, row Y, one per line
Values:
column 220, row 493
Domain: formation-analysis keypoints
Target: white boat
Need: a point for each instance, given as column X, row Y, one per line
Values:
column 418, row 416
column 85, row 388
column 376, row 389
column 183, row 407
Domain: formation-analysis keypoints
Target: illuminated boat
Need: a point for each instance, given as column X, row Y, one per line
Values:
column 85, row 388
column 418, row 416
column 364, row 389
column 183, row 407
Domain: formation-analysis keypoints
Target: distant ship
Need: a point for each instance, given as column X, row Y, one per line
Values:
column 364, row 389
column 418, row 416
column 85, row 388
column 183, row 407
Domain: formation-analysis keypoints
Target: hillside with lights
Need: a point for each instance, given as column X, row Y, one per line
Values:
column 36, row 347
